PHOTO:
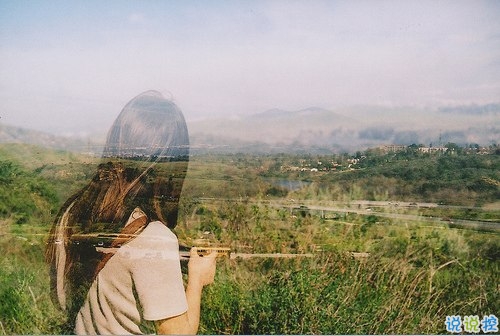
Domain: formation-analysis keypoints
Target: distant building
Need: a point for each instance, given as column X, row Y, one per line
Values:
column 392, row 148
column 432, row 149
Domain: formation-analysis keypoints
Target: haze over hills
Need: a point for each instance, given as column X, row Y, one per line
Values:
column 12, row 134
column 354, row 128
column 314, row 129
column 277, row 129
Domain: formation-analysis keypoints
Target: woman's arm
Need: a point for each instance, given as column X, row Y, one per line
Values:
column 201, row 272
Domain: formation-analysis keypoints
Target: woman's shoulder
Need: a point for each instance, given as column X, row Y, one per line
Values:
column 155, row 241
column 157, row 231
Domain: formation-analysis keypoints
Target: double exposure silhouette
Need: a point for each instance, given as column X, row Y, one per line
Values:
column 139, row 181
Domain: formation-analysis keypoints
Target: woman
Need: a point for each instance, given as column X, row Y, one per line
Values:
column 114, row 260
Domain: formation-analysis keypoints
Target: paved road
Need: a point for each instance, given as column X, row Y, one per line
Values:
column 185, row 255
column 269, row 255
column 469, row 224
column 362, row 207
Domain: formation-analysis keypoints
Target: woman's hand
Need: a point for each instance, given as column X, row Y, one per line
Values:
column 201, row 270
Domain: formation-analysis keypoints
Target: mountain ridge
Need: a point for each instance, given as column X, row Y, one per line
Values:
column 313, row 129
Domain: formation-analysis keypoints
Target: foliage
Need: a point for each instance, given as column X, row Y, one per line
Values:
column 336, row 294
column 408, row 276
column 24, row 195
column 450, row 179
column 25, row 305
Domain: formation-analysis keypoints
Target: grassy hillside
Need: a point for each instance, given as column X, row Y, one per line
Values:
column 411, row 275
column 467, row 179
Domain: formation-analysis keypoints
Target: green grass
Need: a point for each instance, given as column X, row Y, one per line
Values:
column 414, row 276
column 336, row 294
column 25, row 304
column 401, row 288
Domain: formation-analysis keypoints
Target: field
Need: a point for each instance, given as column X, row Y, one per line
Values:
column 392, row 253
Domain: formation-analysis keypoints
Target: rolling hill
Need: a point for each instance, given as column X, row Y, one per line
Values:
column 313, row 130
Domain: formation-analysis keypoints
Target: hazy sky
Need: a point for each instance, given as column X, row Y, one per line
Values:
column 70, row 66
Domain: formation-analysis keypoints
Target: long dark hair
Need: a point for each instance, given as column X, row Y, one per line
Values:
column 144, row 163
